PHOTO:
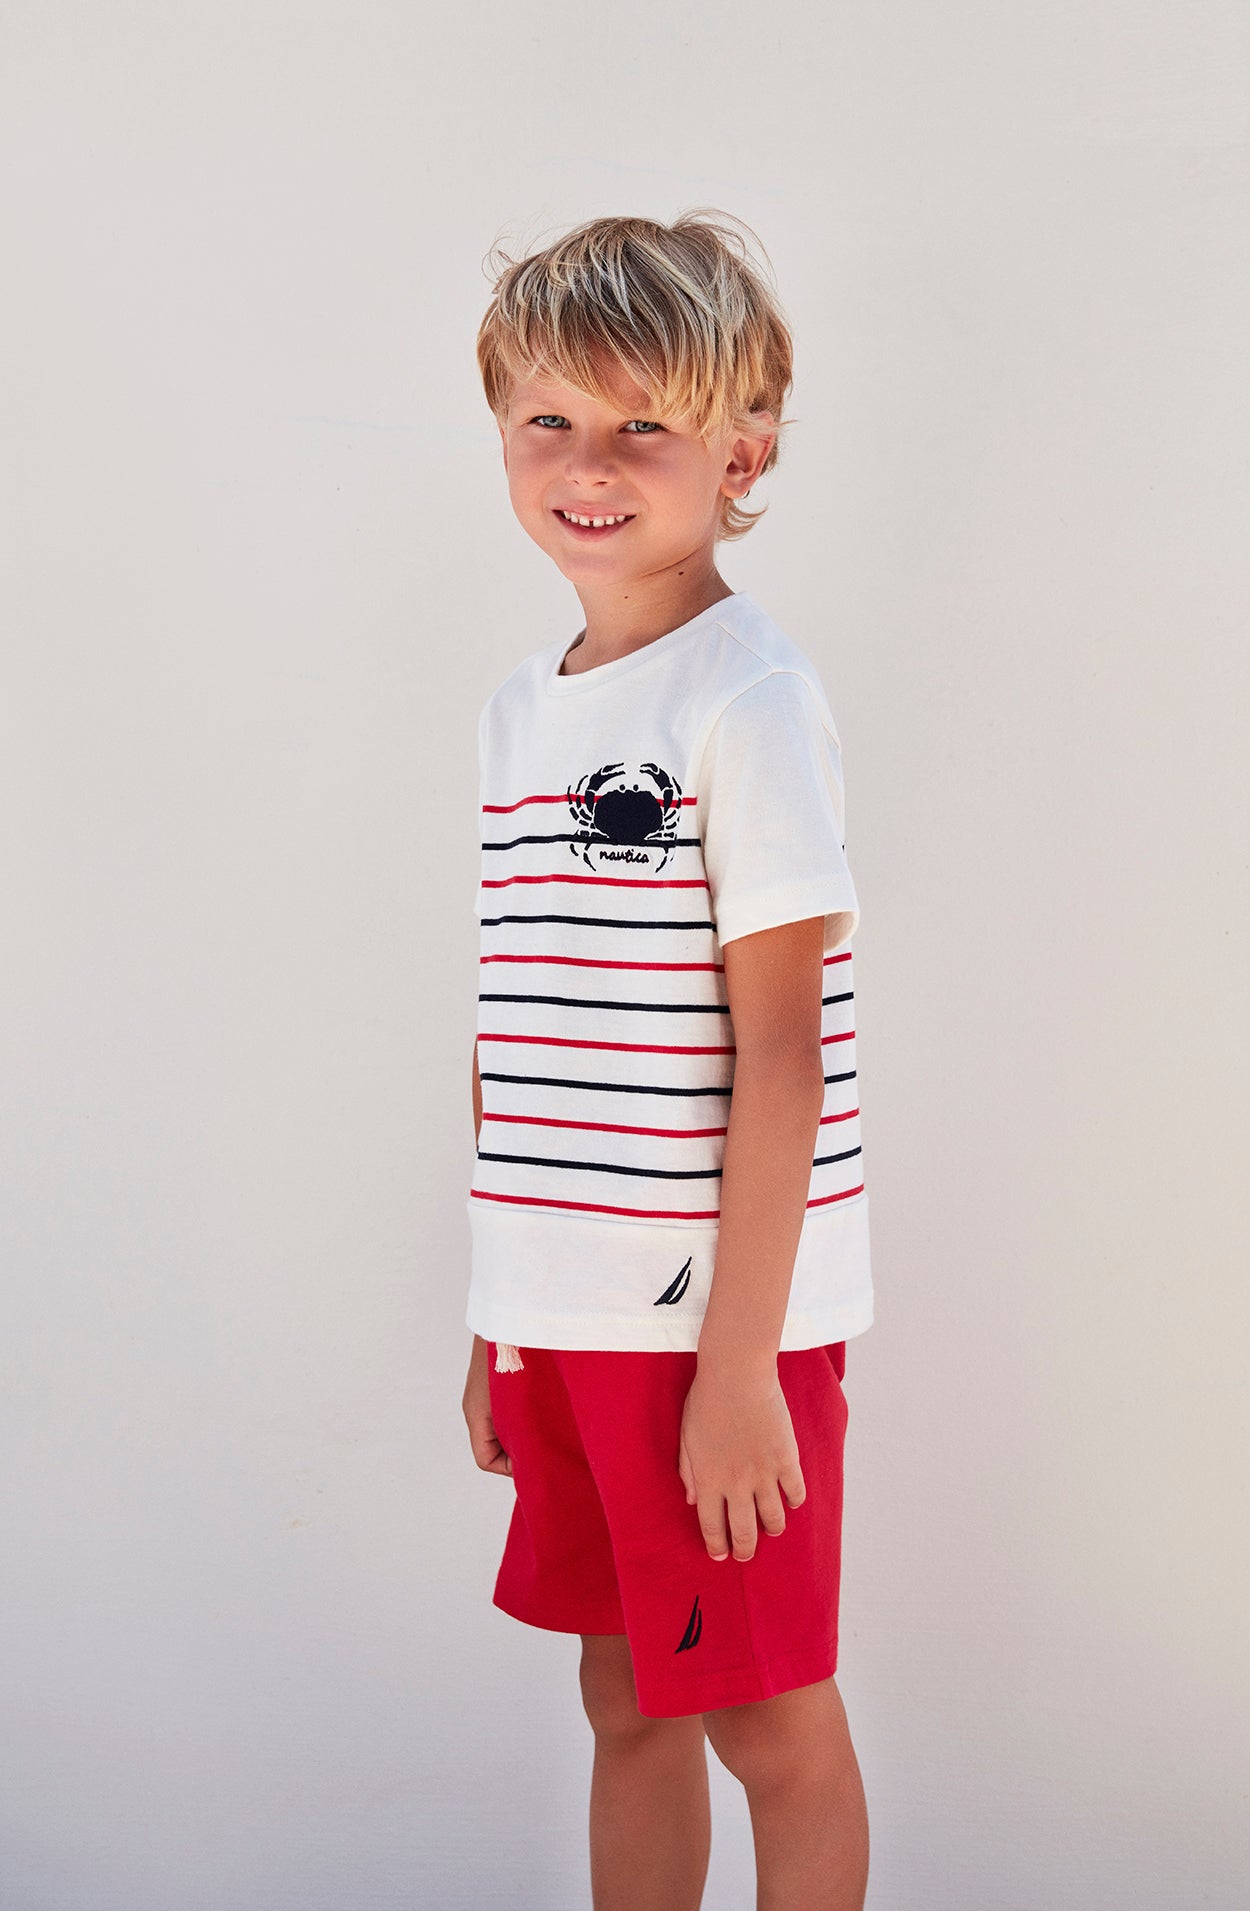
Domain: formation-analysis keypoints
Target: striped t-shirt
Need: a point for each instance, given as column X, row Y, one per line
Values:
column 636, row 817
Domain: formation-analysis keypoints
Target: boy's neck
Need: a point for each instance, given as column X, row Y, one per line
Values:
column 624, row 617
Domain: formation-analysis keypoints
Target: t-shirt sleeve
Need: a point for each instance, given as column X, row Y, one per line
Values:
column 484, row 820
column 771, row 814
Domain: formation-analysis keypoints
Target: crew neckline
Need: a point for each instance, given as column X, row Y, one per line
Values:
column 581, row 680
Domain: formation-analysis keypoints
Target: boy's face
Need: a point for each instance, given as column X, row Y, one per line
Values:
column 568, row 455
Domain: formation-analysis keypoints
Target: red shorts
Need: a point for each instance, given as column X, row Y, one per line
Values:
column 602, row 1538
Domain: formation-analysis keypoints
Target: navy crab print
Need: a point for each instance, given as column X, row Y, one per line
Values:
column 625, row 813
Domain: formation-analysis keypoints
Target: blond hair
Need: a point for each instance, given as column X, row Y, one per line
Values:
column 681, row 309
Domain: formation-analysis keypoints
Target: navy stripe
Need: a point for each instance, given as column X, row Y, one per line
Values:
column 581, row 1002
column 608, row 1167
column 657, row 1008
column 614, row 1088
column 625, row 1088
column 651, row 1008
column 561, row 836
column 595, row 922
column 646, row 1174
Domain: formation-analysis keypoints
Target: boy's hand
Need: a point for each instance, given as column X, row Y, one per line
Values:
column 738, row 1445
column 483, row 1439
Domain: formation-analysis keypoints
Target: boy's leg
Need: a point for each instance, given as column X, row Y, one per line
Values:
column 809, row 1818
column 650, row 1810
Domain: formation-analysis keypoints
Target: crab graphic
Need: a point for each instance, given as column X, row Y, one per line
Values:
column 624, row 813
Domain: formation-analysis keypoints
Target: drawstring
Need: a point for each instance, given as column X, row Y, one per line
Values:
column 507, row 1358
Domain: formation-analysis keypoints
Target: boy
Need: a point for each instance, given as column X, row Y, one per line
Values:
column 669, row 1222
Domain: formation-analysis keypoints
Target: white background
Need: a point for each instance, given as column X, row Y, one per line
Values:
column 260, row 573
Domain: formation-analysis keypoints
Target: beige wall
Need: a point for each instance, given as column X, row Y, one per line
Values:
column 262, row 576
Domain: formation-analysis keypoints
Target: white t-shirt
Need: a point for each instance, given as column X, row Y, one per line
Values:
column 635, row 818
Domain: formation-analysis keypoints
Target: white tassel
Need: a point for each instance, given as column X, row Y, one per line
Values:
column 508, row 1358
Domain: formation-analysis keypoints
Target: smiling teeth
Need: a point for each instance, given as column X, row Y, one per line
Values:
column 571, row 518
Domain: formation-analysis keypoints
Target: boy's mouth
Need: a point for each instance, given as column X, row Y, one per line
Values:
column 587, row 526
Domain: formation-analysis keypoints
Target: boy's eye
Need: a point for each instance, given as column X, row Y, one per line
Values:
column 553, row 418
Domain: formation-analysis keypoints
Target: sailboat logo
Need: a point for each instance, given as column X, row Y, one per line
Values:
column 694, row 1628
column 677, row 1286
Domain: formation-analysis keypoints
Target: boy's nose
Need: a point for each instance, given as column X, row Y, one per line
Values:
column 590, row 461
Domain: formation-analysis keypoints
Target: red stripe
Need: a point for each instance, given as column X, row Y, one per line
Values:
column 506, row 809
column 620, row 882
column 643, row 1214
column 632, row 1048
column 593, row 962
column 844, row 957
column 622, row 1128
column 824, row 1199
column 848, row 1037
column 595, row 1207
column 616, row 1127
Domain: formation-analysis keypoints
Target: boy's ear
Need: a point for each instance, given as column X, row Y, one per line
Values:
column 746, row 457
column 503, row 439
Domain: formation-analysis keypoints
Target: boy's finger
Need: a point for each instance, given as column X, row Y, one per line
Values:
column 742, row 1526
column 772, row 1514
column 712, row 1526
column 488, row 1452
column 793, row 1486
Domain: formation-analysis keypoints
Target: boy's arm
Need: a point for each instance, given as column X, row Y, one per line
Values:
column 487, row 1449
column 774, row 980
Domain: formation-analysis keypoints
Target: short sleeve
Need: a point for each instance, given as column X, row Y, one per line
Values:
column 771, row 812
column 480, row 835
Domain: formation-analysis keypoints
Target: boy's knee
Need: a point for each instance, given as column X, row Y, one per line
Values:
column 778, row 1743
column 746, row 1744
column 609, row 1694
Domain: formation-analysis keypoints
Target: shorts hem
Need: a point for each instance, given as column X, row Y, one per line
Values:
column 595, row 1623
column 741, row 1685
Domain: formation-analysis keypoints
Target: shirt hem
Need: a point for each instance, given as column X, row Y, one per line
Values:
column 625, row 1333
